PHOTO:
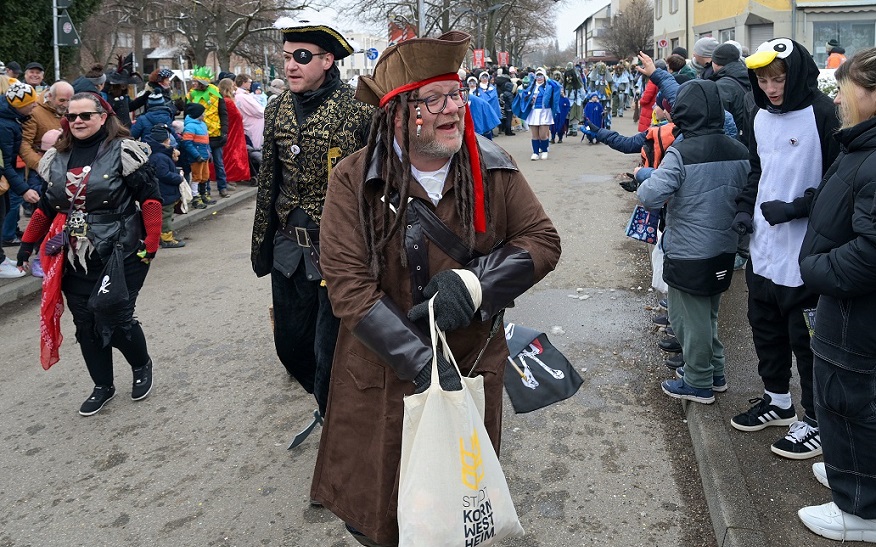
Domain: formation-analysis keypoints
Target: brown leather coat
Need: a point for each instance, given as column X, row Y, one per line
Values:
column 356, row 474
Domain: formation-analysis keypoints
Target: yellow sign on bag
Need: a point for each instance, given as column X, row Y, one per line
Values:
column 472, row 462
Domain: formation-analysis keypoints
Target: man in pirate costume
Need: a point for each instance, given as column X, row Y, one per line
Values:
column 308, row 129
column 428, row 206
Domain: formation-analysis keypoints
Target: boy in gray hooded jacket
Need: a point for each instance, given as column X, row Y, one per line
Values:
column 699, row 179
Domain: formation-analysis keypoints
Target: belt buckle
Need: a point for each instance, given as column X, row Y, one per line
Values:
column 302, row 237
column 76, row 224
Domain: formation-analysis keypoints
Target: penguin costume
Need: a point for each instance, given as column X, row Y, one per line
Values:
column 791, row 147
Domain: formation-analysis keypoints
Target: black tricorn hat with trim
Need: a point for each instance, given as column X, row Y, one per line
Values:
column 318, row 31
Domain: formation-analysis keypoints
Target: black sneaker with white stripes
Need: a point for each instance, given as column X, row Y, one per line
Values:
column 762, row 415
column 801, row 443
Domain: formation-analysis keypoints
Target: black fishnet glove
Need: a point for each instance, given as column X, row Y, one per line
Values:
column 24, row 252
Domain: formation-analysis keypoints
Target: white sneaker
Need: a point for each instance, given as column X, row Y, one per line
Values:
column 544, row 155
column 831, row 522
column 8, row 270
column 820, row 473
column 533, row 157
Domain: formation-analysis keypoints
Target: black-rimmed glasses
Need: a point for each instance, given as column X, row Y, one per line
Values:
column 304, row 56
column 436, row 103
column 84, row 116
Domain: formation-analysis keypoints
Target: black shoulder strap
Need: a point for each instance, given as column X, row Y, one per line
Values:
column 442, row 236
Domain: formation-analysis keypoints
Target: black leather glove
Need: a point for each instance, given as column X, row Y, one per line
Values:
column 24, row 252
column 630, row 185
column 448, row 377
column 742, row 223
column 592, row 127
column 777, row 211
column 454, row 308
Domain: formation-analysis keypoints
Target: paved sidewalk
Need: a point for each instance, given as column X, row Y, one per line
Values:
column 14, row 289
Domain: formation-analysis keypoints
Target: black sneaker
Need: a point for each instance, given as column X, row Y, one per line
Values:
column 662, row 320
column 99, row 397
column 670, row 344
column 763, row 415
column 675, row 361
column 142, row 382
column 801, row 443
column 662, row 303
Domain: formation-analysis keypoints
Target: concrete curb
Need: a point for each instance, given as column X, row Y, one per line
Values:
column 731, row 508
column 24, row 287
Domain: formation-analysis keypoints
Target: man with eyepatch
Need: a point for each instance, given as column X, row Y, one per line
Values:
column 309, row 128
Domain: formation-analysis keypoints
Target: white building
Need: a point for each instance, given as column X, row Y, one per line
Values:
column 358, row 63
column 588, row 46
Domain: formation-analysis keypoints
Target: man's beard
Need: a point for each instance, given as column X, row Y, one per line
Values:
column 433, row 148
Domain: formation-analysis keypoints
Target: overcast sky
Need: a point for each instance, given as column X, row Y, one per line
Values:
column 571, row 14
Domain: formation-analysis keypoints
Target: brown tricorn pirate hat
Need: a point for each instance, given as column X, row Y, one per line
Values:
column 408, row 63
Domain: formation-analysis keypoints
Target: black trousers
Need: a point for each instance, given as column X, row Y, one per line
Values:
column 775, row 313
column 99, row 333
column 305, row 331
column 846, row 408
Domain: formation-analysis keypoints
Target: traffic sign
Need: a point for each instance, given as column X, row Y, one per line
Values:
column 372, row 53
column 662, row 43
column 67, row 35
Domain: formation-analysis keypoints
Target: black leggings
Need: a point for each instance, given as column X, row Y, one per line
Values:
column 99, row 333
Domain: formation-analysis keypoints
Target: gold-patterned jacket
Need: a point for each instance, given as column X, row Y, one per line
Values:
column 336, row 129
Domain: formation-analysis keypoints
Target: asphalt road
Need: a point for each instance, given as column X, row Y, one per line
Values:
column 203, row 460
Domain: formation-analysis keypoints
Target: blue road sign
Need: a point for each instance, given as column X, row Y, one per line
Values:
column 372, row 53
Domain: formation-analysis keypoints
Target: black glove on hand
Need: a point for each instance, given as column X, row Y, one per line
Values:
column 448, row 377
column 592, row 127
column 777, row 212
column 454, row 307
column 742, row 223
column 630, row 185
column 24, row 252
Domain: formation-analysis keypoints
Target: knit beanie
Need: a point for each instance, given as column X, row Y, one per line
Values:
column 159, row 133
column 725, row 54
column 680, row 51
column 194, row 110
column 20, row 94
column 705, row 47
column 156, row 98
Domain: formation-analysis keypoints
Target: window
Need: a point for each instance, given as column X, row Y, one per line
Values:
column 852, row 36
column 726, row 34
column 658, row 9
column 673, row 6
column 125, row 39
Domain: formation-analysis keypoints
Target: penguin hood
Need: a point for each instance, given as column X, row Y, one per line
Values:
column 801, row 78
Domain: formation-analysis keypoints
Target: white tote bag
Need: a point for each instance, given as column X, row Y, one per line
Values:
column 657, row 266
column 452, row 491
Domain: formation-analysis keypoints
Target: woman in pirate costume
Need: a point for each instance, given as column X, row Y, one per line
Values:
column 95, row 177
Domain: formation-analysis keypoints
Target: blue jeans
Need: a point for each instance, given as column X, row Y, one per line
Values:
column 221, row 182
column 10, row 224
column 305, row 331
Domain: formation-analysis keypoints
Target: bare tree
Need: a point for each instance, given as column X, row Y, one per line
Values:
column 631, row 30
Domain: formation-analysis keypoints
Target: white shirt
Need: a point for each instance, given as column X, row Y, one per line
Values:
column 431, row 181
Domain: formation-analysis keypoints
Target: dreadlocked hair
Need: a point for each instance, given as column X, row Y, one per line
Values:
column 379, row 218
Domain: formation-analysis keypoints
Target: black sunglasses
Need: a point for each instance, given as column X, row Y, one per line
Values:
column 304, row 56
column 85, row 116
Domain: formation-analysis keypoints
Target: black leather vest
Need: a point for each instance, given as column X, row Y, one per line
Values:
column 111, row 212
